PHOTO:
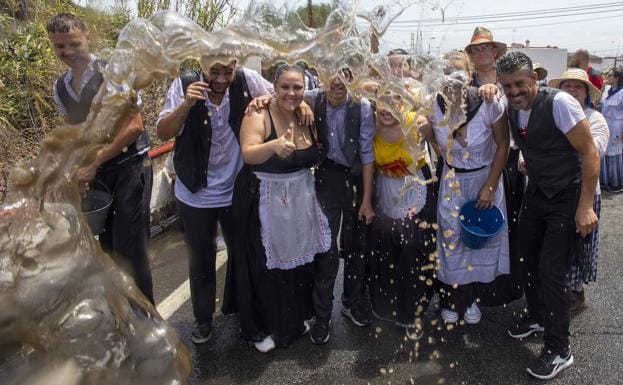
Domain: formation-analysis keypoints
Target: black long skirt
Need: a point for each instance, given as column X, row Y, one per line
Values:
column 401, row 263
column 270, row 301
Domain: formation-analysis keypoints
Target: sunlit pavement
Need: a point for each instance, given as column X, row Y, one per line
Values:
column 379, row 354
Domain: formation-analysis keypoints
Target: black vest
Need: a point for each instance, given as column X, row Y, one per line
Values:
column 352, row 124
column 551, row 161
column 472, row 101
column 192, row 146
column 77, row 111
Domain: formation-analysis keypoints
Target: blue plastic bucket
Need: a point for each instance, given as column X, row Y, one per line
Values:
column 479, row 225
column 95, row 207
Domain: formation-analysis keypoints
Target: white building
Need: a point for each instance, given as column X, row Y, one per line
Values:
column 553, row 59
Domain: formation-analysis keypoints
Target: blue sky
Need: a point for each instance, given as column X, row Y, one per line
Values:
column 569, row 24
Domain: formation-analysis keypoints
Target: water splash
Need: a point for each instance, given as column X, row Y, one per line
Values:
column 68, row 312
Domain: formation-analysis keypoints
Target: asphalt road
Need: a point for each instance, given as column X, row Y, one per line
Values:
column 379, row 354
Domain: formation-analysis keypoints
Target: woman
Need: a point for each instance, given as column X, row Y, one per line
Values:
column 475, row 156
column 401, row 247
column 280, row 223
column 583, row 269
column 611, row 175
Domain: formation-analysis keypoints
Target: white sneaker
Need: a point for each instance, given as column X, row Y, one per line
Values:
column 308, row 323
column 266, row 345
column 472, row 314
column 450, row 316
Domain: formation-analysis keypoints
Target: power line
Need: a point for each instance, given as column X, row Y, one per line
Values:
column 509, row 27
column 514, row 14
column 488, row 21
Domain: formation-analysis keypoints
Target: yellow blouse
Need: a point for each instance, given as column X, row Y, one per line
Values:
column 393, row 159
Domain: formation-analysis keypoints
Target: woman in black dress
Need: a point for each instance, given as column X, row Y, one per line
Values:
column 281, row 226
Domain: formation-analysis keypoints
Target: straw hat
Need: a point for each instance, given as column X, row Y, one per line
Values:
column 482, row 35
column 540, row 71
column 577, row 74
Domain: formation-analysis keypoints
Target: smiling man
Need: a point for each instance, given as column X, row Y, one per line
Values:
column 563, row 166
column 203, row 112
column 344, row 187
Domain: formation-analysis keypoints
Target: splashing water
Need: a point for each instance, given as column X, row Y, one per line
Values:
column 69, row 315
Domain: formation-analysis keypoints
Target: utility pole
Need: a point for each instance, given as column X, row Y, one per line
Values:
column 310, row 14
column 412, row 47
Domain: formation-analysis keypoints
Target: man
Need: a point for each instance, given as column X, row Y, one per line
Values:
column 483, row 51
column 582, row 60
column 344, row 188
column 563, row 166
column 203, row 112
column 118, row 165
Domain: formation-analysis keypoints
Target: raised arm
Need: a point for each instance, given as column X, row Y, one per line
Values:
column 252, row 140
column 177, row 107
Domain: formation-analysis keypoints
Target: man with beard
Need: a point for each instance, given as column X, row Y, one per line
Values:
column 203, row 112
column 344, row 188
column 563, row 166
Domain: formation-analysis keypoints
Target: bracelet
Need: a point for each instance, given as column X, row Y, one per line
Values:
column 490, row 188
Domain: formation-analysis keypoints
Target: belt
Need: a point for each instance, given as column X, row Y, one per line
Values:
column 464, row 170
column 331, row 164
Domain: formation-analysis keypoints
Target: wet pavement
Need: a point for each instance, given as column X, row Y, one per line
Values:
column 379, row 354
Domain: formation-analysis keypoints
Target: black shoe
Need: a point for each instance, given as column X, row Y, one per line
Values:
column 320, row 332
column 524, row 328
column 549, row 364
column 358, row 314
column 202, row 333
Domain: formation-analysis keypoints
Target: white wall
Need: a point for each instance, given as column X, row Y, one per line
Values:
column 554, row 60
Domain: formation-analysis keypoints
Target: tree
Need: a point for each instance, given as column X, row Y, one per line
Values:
column 314, row 16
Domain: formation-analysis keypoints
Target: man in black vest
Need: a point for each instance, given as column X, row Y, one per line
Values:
column 118, row 165
column 344, row 187
column 563, row 166
column 203, row 112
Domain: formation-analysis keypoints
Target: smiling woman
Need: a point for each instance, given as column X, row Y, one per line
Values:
column 281, row 226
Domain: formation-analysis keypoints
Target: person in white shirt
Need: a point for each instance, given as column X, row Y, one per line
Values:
column 562, row 164
column 574, row 81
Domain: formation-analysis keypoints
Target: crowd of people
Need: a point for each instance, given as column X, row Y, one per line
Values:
column 298, row 176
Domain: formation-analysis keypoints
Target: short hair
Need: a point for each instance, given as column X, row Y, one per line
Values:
column 65, row 22
column 397, row 51
column 582, row 52
column 514, row 61
column 288, row 67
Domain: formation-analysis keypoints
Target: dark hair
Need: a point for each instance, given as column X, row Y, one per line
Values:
column 514, row 61
column 64, row 22
column 288, row 67
column 617, row 72
column 397, row 51
column 347, row 73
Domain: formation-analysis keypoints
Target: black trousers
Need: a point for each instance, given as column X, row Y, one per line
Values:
column 339, row 194
column 546, row 234
column 200, row 236
column 125, row 236
column 149, row 182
